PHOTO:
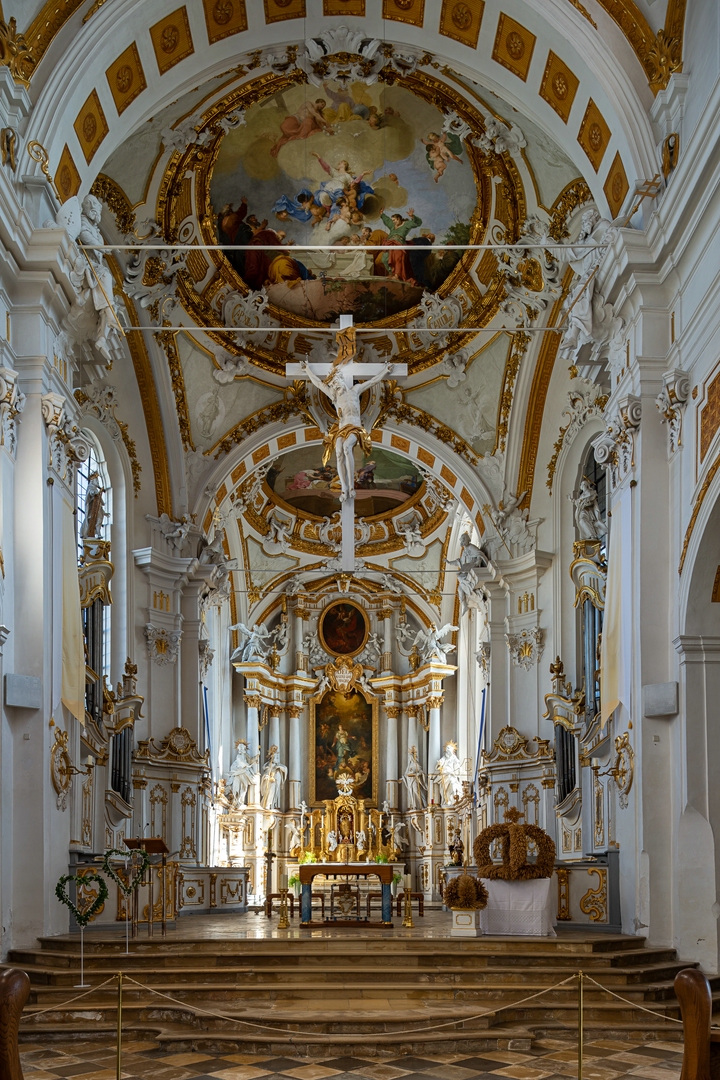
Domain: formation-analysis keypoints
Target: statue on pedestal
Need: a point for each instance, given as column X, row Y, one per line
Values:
column 94, row 508
column 273, row 777
column 414, row 780
column 242, row 773
column 449, row 769
column 590, row 525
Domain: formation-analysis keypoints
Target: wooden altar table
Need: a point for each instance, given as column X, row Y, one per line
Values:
column 383, row 871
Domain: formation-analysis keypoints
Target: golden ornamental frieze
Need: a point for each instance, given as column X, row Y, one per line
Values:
column 179, row 746
column 168, row 340
column 659, row 55
column 394, row 406
column 575, row 194
column 518, row 348
column 109, row 191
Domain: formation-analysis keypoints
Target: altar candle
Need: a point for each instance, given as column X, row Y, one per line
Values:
column 283, row 881
column 408, row 882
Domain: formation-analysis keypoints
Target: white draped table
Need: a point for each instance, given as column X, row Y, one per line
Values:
column 519, row 907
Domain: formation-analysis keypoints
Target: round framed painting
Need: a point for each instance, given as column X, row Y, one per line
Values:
column 343, row 629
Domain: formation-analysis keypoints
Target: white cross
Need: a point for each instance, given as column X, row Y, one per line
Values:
column 350, row 371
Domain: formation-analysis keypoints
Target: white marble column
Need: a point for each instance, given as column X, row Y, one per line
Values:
column 386, row 660
column 299, row 616
column 294, row 758
column 391, row 755
column 274, row 729
column 252, row 735
column 435, row 738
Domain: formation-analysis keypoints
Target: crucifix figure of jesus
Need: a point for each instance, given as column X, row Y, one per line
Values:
column 337, row 382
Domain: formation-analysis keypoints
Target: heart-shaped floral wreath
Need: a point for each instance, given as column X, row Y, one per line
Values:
column 82, row 918
column 131, row 883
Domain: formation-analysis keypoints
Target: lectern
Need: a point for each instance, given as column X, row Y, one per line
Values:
column 153, row 845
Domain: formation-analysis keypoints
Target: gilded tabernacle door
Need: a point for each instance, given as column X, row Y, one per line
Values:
column 343, row 738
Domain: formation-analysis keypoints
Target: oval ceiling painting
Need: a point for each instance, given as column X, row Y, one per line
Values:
column 341, row 167
column 383, row 482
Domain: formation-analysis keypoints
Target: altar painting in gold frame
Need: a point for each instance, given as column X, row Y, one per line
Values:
column 343, row 739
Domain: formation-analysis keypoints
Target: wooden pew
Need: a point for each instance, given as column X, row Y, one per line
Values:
column 14, row 991
column 701, row 1053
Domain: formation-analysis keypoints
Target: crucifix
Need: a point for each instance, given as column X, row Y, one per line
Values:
column 337, row 381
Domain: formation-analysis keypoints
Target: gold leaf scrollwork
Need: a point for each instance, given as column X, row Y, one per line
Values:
column 109, row 192
column 577, row 193
column 15, row 52
column 594, row 902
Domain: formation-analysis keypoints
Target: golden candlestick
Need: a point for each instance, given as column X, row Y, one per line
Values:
column 284, row 922
column 408, row 920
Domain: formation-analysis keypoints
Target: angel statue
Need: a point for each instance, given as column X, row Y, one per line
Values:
column 348, row 430
column 242, row 773
column 273, row 777
column 295, row 840
column 332, row 841
column 428, row 645
column 590, row 525
column 449, row 768
column 414, row 780
column 398, row 840
column 256, row 642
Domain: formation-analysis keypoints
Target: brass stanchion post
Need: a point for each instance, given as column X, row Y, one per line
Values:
column 283, row 922
column 580, row 1024
column 119, row 1028
column 408, row 920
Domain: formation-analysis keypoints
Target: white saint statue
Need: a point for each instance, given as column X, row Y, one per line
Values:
column 414, row 780
column 242, row 773
column 332, row 841
column 99, row 279
column 361, row 841
column 589, row 318
column 348, row 430
column 273, row 777
column 449, row 769
column 590, row 524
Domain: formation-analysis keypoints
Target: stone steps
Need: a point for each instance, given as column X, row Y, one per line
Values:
column 657, row 977
column 343, row 990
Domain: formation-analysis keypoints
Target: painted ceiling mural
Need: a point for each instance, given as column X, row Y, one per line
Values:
column 342, row 167
column 274, row 182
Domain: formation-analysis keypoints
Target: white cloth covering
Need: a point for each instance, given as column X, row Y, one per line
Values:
column 519, row 907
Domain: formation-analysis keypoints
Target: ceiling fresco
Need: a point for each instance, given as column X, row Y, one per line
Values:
column 340, row 167
column 383, row 482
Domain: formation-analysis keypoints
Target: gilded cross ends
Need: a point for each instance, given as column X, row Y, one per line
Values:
column 671, row 402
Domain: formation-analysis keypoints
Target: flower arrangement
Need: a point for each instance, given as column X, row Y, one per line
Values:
column 381, row 858
column 307, row 857
column 396, row 878
column 466, row 892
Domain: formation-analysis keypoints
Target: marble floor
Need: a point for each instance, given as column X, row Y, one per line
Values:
column 550, row 1059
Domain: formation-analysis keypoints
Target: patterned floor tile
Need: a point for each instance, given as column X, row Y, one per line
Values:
column 240, row 1072
column 310, row 1072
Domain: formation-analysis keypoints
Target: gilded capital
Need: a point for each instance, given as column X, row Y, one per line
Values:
column 252, row 701
column 434, row 702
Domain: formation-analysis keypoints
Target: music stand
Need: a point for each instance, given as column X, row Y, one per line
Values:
column 153, row 845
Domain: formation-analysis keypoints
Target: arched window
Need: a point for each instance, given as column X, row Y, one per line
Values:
column 590, row 613
column 93, row 501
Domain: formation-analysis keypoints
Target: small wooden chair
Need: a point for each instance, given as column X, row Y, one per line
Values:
column 14, row 992
column 420, row 897
column 276, row 896
column 369, row 899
